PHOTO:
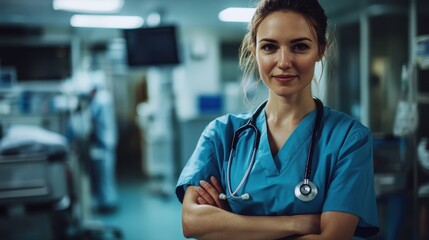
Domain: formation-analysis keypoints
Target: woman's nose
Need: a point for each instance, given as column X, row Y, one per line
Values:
column 284, row 59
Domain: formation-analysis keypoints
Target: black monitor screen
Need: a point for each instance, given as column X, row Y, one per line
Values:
column 151, row 46
column 37, row 62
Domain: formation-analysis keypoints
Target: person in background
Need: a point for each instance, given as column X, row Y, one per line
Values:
column 232, row 190
column 103, row 141
column 93, row 132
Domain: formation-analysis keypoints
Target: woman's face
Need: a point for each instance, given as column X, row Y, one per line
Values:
column 286, row 53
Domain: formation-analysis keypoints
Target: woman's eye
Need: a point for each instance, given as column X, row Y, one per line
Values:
column 269, row 47
column 300, row 47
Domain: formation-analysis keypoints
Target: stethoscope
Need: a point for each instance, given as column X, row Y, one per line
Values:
column 305, row 190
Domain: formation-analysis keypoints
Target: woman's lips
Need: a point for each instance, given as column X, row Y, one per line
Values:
column 285, row 78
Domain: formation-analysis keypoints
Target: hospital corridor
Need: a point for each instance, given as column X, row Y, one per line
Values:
column 110, row 110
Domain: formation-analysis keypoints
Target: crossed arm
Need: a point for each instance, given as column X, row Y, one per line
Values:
column 205, row 216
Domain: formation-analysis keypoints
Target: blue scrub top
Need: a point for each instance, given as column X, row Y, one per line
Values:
column 342, row 168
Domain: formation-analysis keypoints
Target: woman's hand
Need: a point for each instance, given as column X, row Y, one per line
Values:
column 209, row 194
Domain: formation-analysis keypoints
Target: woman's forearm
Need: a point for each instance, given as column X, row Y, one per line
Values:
column 334, row 226
column 209, row 222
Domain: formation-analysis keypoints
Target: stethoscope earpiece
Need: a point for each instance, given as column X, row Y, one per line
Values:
column 245, row 196
column 222, row 196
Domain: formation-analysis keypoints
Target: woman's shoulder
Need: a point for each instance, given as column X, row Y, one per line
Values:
column 345, row 133
column 339, row 121
column 230, row 120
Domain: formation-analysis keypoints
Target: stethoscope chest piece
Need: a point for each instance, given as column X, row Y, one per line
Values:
column 306, row 190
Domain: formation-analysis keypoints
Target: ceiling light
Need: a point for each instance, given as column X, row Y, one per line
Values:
column 88, row 6
column 236, row 14
column 105, row 21
column 153, row 19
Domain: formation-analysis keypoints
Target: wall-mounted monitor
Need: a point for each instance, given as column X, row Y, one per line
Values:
column 44, row 62
column 152, row 46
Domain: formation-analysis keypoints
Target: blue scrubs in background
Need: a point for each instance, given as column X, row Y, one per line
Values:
column 103, row 151
column 342, row 168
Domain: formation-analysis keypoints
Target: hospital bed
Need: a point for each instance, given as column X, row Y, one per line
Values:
column 41, row 190
column 44, row 187
column 35, row 199
column 35, row 193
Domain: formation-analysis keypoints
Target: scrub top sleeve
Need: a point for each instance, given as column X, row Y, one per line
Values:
column 351, row 187
column 201, row 165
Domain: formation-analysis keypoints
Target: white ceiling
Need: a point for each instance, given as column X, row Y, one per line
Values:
column 185, row 13
column 195, row 12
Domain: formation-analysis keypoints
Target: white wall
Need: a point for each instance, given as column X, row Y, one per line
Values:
column 200, row 71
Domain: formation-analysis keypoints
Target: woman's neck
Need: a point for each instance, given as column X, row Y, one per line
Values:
column 282, row 117
column 288, row 111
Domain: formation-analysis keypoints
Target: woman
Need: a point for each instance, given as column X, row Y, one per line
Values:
column 264, row 197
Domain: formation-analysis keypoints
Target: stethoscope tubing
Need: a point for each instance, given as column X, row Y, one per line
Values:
column 245, row 177
column 314, row 137
column 252, row 124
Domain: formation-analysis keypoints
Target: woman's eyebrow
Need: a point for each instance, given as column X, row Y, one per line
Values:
column 300, row 40
column 267, row 40
column 291, row 41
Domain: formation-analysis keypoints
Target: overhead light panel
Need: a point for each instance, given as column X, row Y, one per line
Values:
column 236, row 14
column 88, row 6
column 106, row 21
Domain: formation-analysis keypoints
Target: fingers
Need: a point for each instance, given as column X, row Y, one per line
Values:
column 201, row 201
column 216, row 184
column 205, row 197
column 210, row 190
column 209, row 194
column 221, row 203
column 213, row 189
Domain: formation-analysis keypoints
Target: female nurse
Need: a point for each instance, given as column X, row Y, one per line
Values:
column 285, row 40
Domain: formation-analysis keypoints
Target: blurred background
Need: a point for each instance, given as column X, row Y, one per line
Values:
column 149, row 75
